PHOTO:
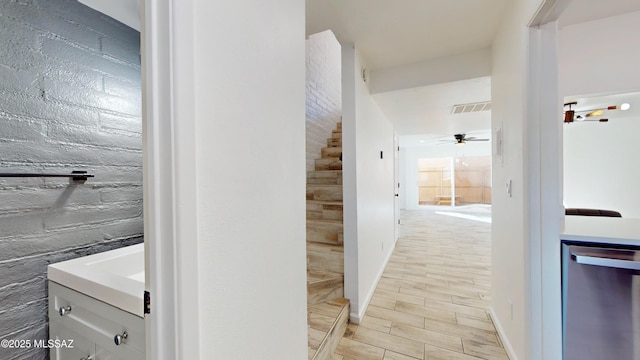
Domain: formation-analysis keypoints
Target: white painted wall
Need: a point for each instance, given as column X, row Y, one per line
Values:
column 601, row 165
column 324, row 92
column 239, row 95
column 600, row 56
column 368, row 186
column 409, row 169
column 510, row 282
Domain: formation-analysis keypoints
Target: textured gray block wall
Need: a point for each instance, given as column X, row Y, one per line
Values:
column 70, row 99
column 324, row 91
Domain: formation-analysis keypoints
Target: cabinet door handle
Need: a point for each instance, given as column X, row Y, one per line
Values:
column 120, row 338
column 64, row 310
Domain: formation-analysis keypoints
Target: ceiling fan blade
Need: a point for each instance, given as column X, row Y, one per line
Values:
column 475, row 139
column 597, row 112
column 598, row 120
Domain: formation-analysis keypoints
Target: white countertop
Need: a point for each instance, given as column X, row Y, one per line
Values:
column 609, row 230
column 115, row 277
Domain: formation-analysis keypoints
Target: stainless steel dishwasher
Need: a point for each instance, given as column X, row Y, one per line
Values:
column 600, row 302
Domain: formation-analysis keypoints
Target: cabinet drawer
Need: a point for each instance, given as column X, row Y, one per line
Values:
column 98, row 322
column 81, row 348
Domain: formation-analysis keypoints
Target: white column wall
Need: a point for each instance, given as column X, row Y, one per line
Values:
column 239, row 101
column 368, row 186
column 510, row 282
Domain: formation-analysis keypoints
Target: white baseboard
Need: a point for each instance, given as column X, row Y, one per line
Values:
column 503, row 338
column 356, row 317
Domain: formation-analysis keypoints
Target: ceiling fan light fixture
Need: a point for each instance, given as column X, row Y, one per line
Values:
column 625, row 106
column 568, row 116
column 460, row 143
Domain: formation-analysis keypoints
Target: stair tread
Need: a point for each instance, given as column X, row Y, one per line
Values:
column 325, row 221
column 336, row 309
column 316, row 276
column 324, row 185
column 325, row 202
column 331, row 307
column 316, row 246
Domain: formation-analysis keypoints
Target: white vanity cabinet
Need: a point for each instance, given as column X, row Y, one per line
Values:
column 93, row 326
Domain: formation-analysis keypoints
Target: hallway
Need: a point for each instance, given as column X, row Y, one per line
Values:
column 432, row 300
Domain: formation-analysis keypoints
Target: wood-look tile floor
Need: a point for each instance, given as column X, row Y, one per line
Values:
column 431, row 302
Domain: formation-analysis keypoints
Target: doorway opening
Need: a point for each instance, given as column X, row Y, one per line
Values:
column 454, row 181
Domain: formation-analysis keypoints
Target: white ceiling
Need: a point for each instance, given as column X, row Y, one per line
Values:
column 427, row 110
column 580, row 11
column 392, row 33
column 125, row 11
column 399, row 32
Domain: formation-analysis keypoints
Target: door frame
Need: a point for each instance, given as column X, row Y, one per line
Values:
column 543, row 174
column 396, row 185
column 171, row 265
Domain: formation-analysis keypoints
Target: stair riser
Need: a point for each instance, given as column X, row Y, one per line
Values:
column 324, row 193
column 331, row 142
column 324, row 212
column 324, row 177
column 325, row 261
column 336, row 134
column 319, row 262
column 325, row 290
column 325, row 181
column 328, row 164
column 324, row 215
column 331, row 152
column 326, row 233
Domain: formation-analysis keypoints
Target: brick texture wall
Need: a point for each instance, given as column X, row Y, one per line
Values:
column 324, row 91
column 70, row 99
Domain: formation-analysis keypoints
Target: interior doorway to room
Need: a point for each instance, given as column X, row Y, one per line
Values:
column 454, row 181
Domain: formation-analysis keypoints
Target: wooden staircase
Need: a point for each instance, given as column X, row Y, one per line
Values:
column 328, row 310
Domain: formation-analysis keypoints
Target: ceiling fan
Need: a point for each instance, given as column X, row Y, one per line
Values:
column 587, row 115
column 461, row 139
